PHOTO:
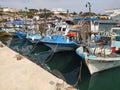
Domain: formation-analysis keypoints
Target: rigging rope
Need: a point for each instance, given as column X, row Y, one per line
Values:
column 79, row 76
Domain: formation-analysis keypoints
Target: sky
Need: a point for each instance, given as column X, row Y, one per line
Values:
column 97, row 6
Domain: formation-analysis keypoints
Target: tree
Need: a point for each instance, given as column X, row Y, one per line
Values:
column 30, row 14
column 64, row 14
column 74, row 13
column 80, row 13
column 46, row 14
column 40, row 10
column 26, row 9
column 87, row 14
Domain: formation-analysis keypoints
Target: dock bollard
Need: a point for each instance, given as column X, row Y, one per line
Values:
column 19, row 57
column 1, row 44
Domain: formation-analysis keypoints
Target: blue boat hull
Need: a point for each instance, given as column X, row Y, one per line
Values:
column 21, row 35
column 59, row 43
column 34, row 38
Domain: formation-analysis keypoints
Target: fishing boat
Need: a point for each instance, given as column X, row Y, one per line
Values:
column 100, row 54
column 4, row 32
column 21, row 34
column 100, row 59
column 59, row 43
column 11, row 31
column 59, row 38
column 33, row 37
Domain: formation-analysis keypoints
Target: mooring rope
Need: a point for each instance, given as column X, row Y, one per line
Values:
column 79, row 76
column 35, row 45
column 52, row 54
column 55, row 47
column 48, row 59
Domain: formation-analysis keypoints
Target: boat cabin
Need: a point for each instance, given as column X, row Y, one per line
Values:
column 115, row 30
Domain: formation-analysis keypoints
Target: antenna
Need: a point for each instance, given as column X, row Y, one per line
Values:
column 89, row 8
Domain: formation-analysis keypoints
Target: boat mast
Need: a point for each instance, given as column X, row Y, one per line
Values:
column 89, row 22
column 45, row 22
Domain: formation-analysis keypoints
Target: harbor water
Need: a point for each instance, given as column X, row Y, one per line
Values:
column 65, row 65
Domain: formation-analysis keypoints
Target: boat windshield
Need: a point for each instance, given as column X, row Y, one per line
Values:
column 117, row 31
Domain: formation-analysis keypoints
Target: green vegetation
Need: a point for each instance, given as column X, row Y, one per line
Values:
column 44, row 13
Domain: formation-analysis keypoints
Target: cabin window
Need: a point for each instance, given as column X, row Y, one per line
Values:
column 117, row 31
column 59, row 28
column 96, row 23
column 64, row 29
column 117, row 38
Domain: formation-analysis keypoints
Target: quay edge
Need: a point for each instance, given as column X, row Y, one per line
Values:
column 25, row 75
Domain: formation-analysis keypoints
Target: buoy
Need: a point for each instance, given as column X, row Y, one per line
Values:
column 113, row 49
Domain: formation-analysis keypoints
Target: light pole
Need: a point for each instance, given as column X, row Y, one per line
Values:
column 89, row 7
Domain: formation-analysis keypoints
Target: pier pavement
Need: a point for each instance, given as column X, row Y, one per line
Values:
column 23, row 74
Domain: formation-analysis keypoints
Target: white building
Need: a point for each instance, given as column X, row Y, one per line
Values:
column 58, row 10
column 6, row 9
column 113, row 12
column 14, row 10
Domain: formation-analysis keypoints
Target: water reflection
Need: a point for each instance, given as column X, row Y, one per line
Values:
column 67, row 62
column 106, row 80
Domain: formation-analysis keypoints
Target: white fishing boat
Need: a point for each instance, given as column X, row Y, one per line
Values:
column 100, row 61
column 102, row 54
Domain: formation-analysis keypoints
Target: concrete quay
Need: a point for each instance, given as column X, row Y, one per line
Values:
column 23, row 74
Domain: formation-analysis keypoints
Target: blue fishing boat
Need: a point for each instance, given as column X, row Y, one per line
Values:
column 33, row 37
column 20, row 34
column 59, row 43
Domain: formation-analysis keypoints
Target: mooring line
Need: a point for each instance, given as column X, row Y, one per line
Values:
column 35, row 45
column 79, row 76
column 52, row 54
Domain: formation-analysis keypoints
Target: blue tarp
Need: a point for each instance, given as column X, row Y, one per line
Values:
column 86, row 18
column 15, row 22
column 78, row 19
column 91, row 18
column 18, row 22
column 9, row 22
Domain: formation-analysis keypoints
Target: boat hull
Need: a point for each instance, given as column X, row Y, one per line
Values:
column 4, row 33
column 34, row 38
column 21, row 35
column 60, row 47
column 95, row 66
column 59, row 43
